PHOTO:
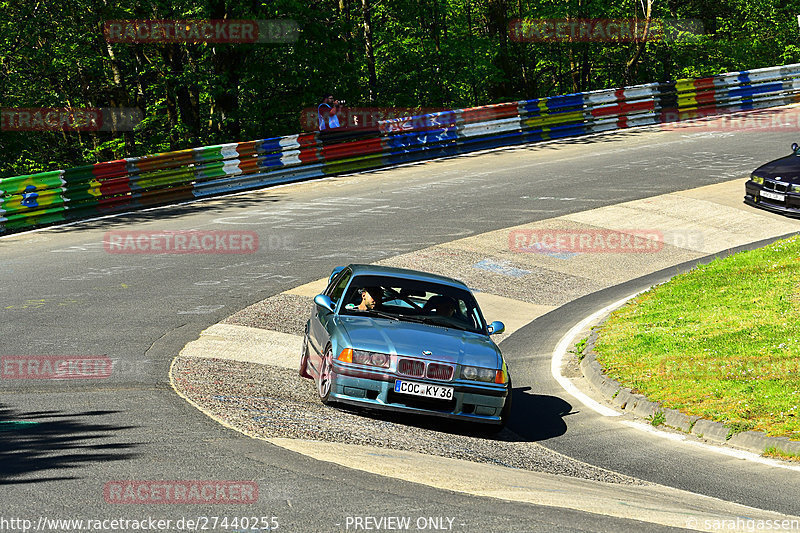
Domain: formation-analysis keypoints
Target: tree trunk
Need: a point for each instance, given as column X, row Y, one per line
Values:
column 472, row 86
column 630, row 66
column 119, row 97
column 498, row 21
column 373, row 82
column 227, row 60
column 437, row 72
column 347, row 34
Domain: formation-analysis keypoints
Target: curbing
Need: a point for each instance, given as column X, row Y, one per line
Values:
column 638, row 405
column 713, row 431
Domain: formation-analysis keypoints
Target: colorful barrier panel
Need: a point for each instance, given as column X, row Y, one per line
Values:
column 159, row 179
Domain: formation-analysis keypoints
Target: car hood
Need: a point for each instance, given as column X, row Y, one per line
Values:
column 410, row 339
column 787, row 168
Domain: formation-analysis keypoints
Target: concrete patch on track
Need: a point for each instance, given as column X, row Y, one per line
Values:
column 243, row 373
column 650, row 503
column 244, row 344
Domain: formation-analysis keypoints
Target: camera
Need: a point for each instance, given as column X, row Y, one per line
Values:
column 342, row 102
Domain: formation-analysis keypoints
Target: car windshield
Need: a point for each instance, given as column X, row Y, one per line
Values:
column 413, row 301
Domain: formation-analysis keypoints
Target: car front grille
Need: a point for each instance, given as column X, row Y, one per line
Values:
column 776, row 186
column 417, row 369
column 439, row 371
column 410, row 367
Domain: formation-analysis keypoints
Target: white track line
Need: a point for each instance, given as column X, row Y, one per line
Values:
column 561, row 351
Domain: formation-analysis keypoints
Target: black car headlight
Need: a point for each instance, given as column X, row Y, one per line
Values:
column 363, row 357
column 757, row 179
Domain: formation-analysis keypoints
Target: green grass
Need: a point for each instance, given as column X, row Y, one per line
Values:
column 657, row 418
column 721, row 342
column 579, row 347
column 775, row 452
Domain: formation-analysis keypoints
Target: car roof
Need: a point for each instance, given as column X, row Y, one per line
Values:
column 378, row 270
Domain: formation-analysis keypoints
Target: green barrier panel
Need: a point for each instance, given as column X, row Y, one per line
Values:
column 35, row 217
column 208, row 153
column 32, row 201
column 31, row 182
column 355, row 163
column 162, row 178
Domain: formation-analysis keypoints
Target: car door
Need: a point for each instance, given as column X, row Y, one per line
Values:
column 321, row 317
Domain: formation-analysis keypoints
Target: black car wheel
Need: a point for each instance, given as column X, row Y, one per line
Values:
column 325, row 375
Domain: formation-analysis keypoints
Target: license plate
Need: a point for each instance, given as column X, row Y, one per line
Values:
column 422, row 389
column 773, row 196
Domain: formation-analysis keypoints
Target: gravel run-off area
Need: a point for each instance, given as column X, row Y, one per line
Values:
column 270, row 402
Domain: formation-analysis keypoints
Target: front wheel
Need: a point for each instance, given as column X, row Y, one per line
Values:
column 304, row 359
column 324, row 383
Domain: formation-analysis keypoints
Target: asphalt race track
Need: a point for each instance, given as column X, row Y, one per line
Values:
column 63, row 294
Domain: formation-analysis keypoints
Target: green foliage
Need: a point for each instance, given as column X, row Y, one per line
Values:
column 657, row 419
column 579, row 347
column 428, row 54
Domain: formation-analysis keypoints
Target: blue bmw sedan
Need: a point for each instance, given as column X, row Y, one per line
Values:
column 404, row 340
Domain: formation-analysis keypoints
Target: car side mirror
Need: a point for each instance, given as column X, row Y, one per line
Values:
column 324, row 302
column 496, row 327
column 794, row 147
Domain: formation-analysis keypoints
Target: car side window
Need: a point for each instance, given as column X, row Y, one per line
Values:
column 339, row 286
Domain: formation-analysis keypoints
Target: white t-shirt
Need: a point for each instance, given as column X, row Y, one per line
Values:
column 333, row 120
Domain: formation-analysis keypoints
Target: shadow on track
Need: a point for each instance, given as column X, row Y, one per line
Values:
column 132, row 215
column 536, row 417
column 39, row 441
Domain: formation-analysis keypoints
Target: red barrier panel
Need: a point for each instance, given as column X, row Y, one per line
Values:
column 338, row 151
column 110, row 169
column 490, row 112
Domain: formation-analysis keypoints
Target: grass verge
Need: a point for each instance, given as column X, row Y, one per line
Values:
column 721, row 342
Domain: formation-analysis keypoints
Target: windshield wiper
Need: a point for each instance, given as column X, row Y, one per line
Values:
column 411, row 318
column 380, row 314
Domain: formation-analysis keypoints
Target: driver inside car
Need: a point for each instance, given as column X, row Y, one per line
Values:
column 370, row 297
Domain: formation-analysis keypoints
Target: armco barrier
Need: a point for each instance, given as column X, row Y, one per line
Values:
column 137, row 182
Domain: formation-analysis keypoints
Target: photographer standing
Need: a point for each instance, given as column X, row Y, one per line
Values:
column 326, row 112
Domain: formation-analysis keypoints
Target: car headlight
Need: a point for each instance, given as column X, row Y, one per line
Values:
column 474, row 373
column 796, row 188
column 469, row 372
column 757, row 179
column 363, row 357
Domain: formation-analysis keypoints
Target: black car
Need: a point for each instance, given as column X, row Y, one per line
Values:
column 775, row 186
